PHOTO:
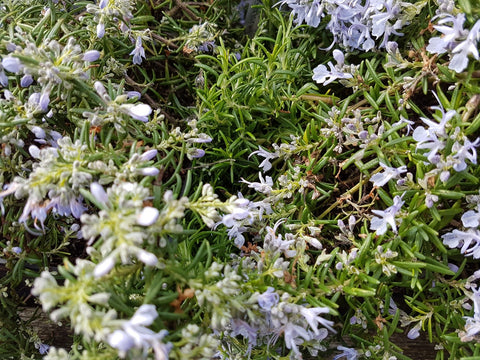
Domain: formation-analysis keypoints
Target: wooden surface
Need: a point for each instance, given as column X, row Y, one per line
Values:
column 58, row 335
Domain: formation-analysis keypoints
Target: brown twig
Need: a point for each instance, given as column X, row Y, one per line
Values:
column 165, row 41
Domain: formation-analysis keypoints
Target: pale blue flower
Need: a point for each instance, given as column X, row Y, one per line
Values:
column 144, row 316
column 265, row 164
column 148, row 155
column 3, row 77
column 467, row 151
column 99, row 193
column 310, row 12
column 313, row 319
column 17, row 250
column 139, row 52
column 459, row 60
column 91, row 55
column 100, row 30
column 440, row 45
column 207, row 47
column 382, row 178
column 468, row 241
column 42, row 348
column 348, row 353
column 386, row 217
column 12, row 64
column 35, row 210
column 134, row 334
column 66, row 204
column 456, row 40
column 240, row 327
column 133, row 94
column 295, row 335
column 415, row 331
column 194, row 153
column 268, row 299
column 472, row 324
column 471, row 219
column 26, row 80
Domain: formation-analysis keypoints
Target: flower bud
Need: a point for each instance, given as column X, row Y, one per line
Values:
column 91, row 55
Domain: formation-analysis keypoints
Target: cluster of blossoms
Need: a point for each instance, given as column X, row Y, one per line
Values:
column 467, row 240
column 434, row 140
column 117, row 110
column 49, row 64
column 43, row 69
column 262, row 318
column 54, row 183
column 118, row 14
column 282, row 151
column 458, row 42
column 237, row 213
column 16, row 113
column 61, row 173
column 190, row 139
column 279, row 290
column 357, row 131
column 201, row 38
column 107, row 11
column 472, row 323
column 88, row 314
column 120, row 225
column 355, row 24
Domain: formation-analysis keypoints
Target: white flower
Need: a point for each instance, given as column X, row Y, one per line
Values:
column 148, row 171
column 120, row 340
column 148, row 216
column 146, row 257
column 295, row 335
column 265, row 164
column 140, row 112
column 34, row 151
column 104, row 267
column 264, row 186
